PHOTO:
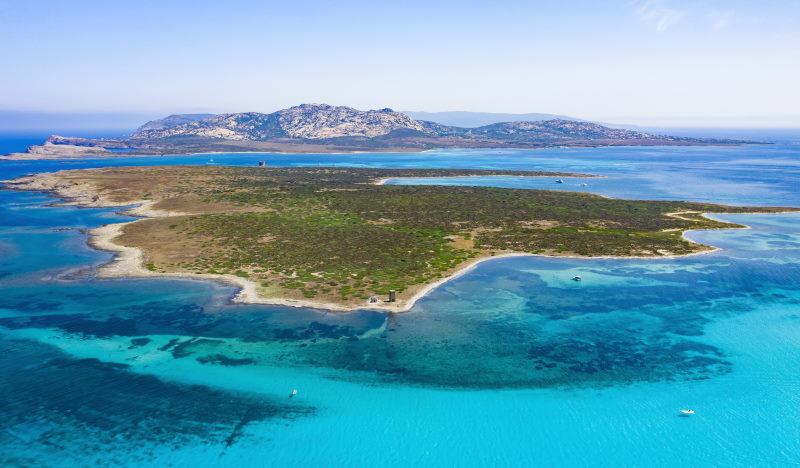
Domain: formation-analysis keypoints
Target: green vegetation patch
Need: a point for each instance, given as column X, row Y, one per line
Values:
column 334, row 249
column 332, row 232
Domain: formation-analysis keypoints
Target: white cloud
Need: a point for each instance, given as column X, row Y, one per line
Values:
column 657, row 13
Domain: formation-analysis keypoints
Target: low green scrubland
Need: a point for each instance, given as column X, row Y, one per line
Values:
column 332, row 233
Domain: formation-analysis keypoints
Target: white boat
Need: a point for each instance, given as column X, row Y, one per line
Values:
column 687, row 411
column 576, row 278
column 294, row 392
column 559, row 181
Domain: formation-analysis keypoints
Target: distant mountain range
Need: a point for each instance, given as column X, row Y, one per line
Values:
column 326, row 128
column 468, row 119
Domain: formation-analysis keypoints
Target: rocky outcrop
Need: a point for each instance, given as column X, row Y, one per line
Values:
column 307, row 121
column 320, row 121
column 54, row 149
column 51, row 150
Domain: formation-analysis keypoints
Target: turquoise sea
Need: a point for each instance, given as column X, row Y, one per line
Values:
column 511, row 364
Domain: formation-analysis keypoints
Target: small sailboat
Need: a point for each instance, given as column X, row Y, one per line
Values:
column 576, row 278
column 687, row 411
column 294, row 392
column 559, row 181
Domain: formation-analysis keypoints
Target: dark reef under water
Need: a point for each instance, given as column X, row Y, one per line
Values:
column 83, row 406
column 128, row 371
column 521, row 332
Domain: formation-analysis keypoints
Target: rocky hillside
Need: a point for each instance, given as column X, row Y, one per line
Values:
column 324, row 122
column 310, row 128
column 243, row 126
column 172, row 121
column 467, row 119
column 556, row 129
column 307, row 121
column 315, row 121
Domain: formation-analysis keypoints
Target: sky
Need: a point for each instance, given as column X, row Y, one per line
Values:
column 648, row 62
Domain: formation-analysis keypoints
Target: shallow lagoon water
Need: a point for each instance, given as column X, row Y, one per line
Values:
column 511, row 364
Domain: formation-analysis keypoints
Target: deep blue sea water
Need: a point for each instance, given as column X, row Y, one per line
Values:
column 511, row 364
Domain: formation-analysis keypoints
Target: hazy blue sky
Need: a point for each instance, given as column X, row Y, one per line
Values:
column 626, row 60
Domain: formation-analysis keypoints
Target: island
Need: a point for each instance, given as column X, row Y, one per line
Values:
column 339, row 238
column 322, row 128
